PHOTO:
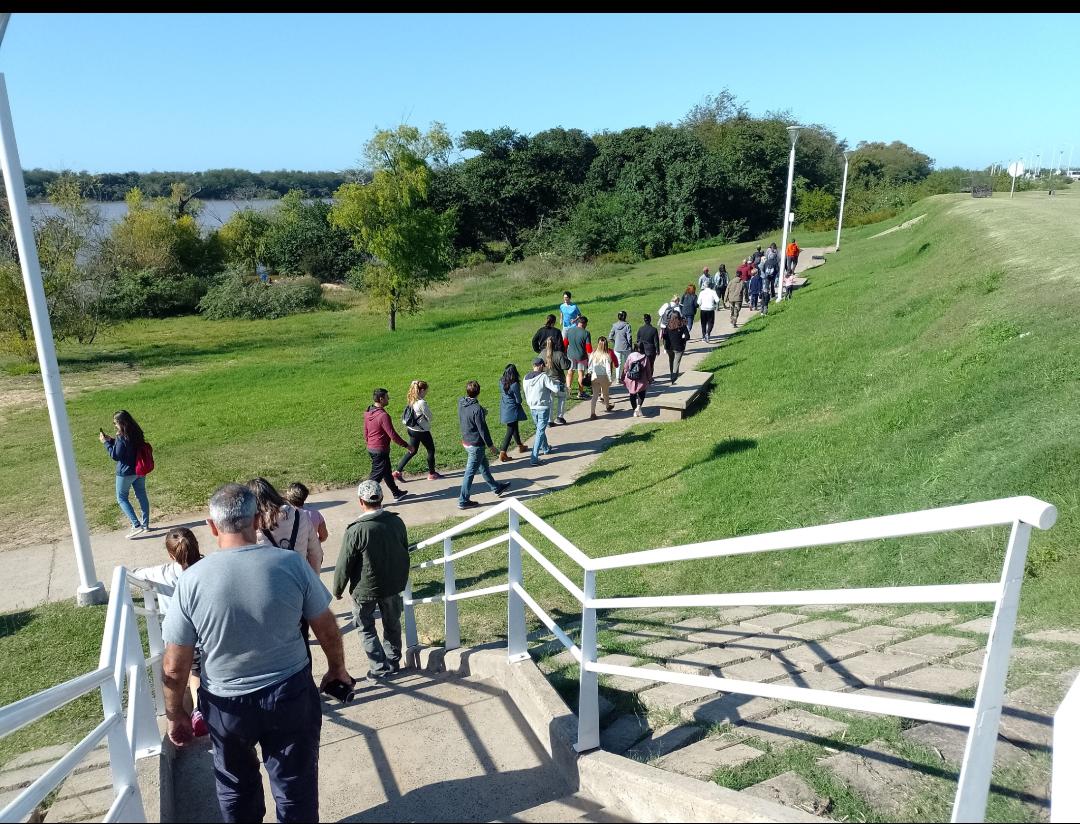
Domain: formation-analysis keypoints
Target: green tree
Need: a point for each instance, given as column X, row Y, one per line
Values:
column 407, row 242
column 300, row 240
column 891, row 164
column 243, row 238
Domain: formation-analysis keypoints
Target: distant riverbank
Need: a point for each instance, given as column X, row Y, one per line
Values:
column 213, row 215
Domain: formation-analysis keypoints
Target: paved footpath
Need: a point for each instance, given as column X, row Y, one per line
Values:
column 47, row 572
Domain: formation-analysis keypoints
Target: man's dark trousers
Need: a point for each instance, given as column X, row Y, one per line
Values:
column 284, row 719
column 384, row 656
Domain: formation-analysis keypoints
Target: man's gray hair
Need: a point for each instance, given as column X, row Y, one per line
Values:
column 232, row 508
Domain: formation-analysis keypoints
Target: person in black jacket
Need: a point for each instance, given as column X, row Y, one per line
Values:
column 476, row 439
column 546, row 332
column 675, row 336
column 649, row 338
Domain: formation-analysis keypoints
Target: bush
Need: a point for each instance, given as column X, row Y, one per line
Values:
column 236, row 296
column 149, row 294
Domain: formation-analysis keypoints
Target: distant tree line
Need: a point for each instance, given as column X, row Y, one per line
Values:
column 426, row 203
column 214, row 184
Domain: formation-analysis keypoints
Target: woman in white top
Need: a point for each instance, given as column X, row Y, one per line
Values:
column 417, row 420
column 602, row 366
column 283, row 525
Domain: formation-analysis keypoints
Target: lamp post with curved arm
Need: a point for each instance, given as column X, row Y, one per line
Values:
column 793, row 131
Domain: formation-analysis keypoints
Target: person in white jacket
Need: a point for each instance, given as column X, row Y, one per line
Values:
column 539, row 392
column 183, row 549
column 285, row 526
column 708, row 300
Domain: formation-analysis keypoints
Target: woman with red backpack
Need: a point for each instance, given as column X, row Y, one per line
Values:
column 134, row 459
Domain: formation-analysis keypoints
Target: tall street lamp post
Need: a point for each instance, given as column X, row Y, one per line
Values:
column 843, row 193
column 794, row 132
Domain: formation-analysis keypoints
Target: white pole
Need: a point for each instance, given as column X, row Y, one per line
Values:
column 1071, row 145
column 794, row 132
column 843, row 193
column 91, row 590
column 1012, row 191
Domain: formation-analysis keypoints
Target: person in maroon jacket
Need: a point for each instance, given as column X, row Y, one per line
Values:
column 378, row 433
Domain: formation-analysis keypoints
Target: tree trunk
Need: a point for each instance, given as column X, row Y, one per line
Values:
column 393, row 317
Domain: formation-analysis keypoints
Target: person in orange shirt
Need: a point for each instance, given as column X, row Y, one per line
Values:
column 792, row 255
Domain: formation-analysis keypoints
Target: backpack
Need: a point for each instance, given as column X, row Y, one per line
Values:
column 410, row 418
column 295, row 530
column 635, row 370
column 669, row 313
column 144, row 460
column 600, row 369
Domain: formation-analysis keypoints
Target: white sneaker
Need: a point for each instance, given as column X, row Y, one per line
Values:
column 135, row 533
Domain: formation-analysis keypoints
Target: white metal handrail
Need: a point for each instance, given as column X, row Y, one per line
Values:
column 1065, row 790
column 129, row 726
column 1021, row 514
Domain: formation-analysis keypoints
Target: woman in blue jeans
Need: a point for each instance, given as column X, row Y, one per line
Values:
column 124, row 449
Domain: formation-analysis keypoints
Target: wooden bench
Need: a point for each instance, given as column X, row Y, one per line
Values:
column 674, row 400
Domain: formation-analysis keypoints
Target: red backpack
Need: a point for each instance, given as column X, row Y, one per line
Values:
column 144, row 460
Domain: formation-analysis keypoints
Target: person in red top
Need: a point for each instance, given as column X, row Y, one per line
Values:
column 792, row 255
column 744, row 272
column 378, row 433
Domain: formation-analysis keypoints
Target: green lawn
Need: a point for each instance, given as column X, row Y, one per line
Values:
column 229, row 400
column 43, row 647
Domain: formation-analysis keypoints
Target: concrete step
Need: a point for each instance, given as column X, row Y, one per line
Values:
column 575, row 807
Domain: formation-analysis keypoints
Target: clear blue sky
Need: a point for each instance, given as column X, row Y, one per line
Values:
column 117, row 92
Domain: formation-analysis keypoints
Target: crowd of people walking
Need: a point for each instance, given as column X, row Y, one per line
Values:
column 238, row 663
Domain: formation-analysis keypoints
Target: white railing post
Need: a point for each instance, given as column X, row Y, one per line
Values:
column 974, row 783
column 516, row 643
column 411, row 638
column 452, row 632
column 588, row 686
column 121, row 757
column 141, row 721
column 157, row 647
column 1064, row 788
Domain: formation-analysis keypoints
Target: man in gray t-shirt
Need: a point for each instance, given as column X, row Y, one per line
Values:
column 242, row 608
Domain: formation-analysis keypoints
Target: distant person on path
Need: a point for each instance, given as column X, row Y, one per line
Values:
column 476, row 439
column 545, row 333
column 789, row 284
column 417, row 420
column 755, row 289
column 374, row 563
column 744, row 273
column 766, row 294
column 578, row 348
column 720, row 283
column 770, row 267
column 569, row 311
column 284, row 526
column 297, row 495
column 556, row 363
column 511, row 410
column 675, row 340
column 638, row 377
column 688, row 303
column 708, row 300
column 241, row 606
column 124, row 449
column 734, row 299
column 669, row 310
column 603, row 367
column 705, row 280
column 183, row 549
column 622, row 341
column 792, row 256
column 540, row 393
column 756, row 257
column 648, row 341
column 378, row 433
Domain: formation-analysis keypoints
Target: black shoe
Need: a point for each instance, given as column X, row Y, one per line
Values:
column 401, row 495
column 468, row 505
column 501, row 488
column 561, row 421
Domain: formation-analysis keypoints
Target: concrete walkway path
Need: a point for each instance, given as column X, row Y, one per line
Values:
column 47, row 572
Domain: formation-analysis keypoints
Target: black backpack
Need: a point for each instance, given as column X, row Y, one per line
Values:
column 635, row 369
column 410, row 418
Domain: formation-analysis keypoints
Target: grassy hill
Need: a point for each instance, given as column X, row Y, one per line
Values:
column 930, row 366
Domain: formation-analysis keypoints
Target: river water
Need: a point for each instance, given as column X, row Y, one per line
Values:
column 214, row 212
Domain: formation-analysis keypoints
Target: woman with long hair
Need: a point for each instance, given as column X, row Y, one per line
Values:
column 603, row 366
column 689, row 305
column 511, row 410
column 283, row 525
column 417, row 420
column 124, row 448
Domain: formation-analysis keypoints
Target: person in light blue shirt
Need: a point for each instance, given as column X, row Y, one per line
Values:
column 241, row 606
column 569, row 311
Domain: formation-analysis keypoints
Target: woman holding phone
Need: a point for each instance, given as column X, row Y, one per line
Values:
column 124, row 449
